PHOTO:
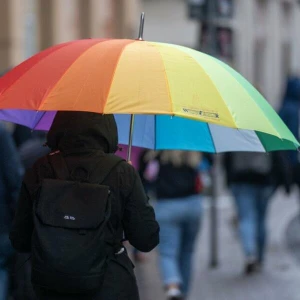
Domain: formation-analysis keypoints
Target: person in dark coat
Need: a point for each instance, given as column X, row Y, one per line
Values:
column 10, row 182
column 84, row 139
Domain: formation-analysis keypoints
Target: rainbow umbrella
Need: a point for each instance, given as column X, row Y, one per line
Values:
column 147, row 78
column 140, row 77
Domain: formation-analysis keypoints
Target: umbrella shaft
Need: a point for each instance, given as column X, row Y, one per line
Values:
column 130, row 137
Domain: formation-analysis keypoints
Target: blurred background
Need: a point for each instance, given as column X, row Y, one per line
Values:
column 261, row 40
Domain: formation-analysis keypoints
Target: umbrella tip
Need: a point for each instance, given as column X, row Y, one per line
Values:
column 141, row 30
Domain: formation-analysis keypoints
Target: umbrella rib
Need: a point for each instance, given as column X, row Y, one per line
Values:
column 114, row 72
column 66, row 71
column 166, row 80
column 208, row 125
column 83, row 84
column 278, row 134
column 37, row 121
column 262, row 143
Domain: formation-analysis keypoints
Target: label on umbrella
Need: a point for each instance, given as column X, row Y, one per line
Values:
column 205, row 114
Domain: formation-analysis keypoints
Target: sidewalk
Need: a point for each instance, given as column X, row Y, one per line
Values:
column 280, row 279
column 293, row 237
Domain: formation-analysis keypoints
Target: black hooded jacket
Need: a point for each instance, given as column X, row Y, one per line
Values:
column 84, row 139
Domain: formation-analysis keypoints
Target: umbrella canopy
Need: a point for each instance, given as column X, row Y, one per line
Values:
column 176, row 133
column 135, row 77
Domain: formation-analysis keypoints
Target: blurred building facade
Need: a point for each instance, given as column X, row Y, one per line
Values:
column 258, row 37
column 268, row 43
column 28, row 26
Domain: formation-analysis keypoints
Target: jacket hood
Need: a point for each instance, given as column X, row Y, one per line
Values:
column 83, row 132
column 292, row 90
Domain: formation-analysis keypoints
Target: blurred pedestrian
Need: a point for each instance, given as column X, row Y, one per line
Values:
column 289, row 112
column 31, row 150
column 30, row 147
column 148, row 170
column 178, row 211
column 74, row 207
column 253, row 178
column 10, row 181
column 22, row 134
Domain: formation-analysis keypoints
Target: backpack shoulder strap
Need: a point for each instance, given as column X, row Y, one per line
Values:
column 108, row 163
column 59, row 165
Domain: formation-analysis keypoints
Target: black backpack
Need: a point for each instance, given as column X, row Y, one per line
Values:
column 69, row 247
